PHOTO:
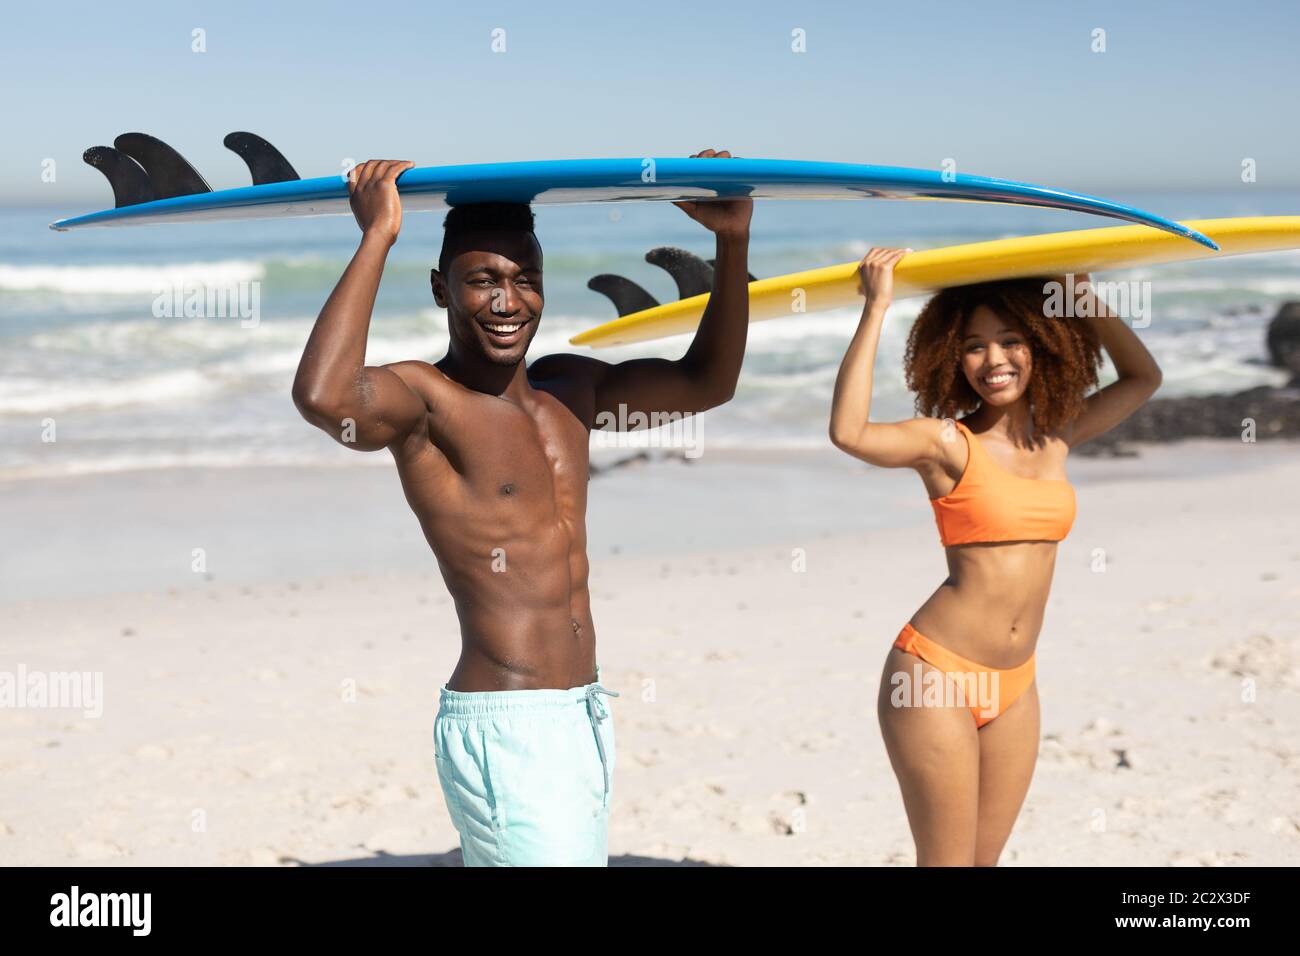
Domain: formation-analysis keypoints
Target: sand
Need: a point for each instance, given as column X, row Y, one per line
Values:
column 276, row 707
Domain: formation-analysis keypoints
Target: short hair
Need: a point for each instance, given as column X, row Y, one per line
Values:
column 483, row 217
column 1066, row 352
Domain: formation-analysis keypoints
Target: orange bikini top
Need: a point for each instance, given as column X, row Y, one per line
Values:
column 990, row 503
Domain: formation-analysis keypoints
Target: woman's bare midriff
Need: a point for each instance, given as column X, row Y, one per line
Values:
column 990, row 608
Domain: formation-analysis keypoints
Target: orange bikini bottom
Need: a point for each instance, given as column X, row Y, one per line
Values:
column 992, row 690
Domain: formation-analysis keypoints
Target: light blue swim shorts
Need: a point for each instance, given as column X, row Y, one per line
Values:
column 527, row 774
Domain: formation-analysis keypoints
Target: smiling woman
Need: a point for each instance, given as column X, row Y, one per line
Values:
column 954, row 331
column 996, row 482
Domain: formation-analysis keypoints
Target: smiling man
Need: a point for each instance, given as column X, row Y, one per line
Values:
column 493, row 457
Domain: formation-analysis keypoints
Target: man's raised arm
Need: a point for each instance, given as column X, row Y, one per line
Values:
column 706, row 375
column 362, row 408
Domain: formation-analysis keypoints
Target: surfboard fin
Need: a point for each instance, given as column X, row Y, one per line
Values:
column 692, row 274
column 127, row 177
column 266, row 163
column 627, row 296
column 168, row 171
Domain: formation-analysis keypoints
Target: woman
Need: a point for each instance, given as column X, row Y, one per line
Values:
column 958, row 705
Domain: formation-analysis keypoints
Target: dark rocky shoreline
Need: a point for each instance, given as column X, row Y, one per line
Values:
column 1275, row 412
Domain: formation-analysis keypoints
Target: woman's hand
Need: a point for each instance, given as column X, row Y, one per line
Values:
column 876, row 276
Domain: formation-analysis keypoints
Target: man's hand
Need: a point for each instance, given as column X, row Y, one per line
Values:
column 372, row 192
column 724, row 217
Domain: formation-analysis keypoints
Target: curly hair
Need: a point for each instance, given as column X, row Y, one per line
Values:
column 483, row 217
column 1066, row 353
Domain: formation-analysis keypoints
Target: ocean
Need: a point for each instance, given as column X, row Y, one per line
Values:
column 95, row 376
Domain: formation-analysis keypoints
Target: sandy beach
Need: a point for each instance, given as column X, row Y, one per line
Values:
column 276, row 706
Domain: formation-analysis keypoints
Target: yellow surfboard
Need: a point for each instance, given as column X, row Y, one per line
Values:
column 919, row 273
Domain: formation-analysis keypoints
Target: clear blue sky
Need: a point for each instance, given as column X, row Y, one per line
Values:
column 1184, row 92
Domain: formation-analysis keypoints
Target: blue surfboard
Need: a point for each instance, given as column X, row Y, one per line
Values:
column 658, row 179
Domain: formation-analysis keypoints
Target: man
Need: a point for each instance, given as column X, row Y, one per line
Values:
column 492, row 455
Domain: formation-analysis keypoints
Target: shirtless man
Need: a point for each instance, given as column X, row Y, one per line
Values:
column 492, row 456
